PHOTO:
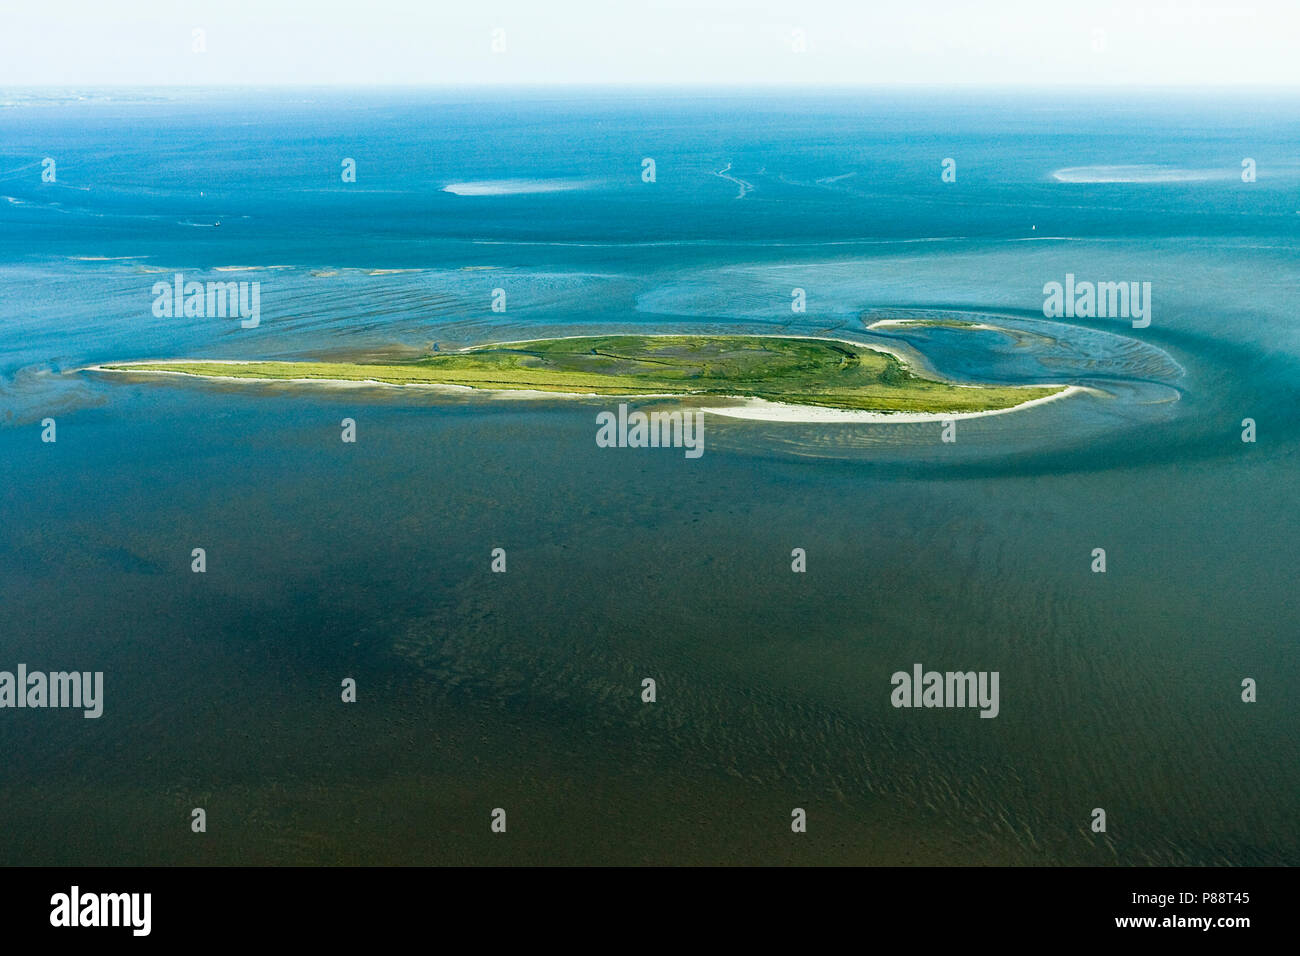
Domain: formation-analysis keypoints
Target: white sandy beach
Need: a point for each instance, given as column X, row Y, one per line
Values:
column 757, row 409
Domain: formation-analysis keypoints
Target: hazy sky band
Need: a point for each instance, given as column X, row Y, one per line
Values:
column 1031, row 43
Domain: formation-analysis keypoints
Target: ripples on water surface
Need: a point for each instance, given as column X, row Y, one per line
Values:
column 521, row 690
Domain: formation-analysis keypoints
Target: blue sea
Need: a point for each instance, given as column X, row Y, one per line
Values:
column 1120, row 691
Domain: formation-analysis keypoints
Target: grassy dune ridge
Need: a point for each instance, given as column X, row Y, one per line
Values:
column 804, row 371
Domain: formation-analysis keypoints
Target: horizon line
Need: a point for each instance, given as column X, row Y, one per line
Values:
column 664, row 85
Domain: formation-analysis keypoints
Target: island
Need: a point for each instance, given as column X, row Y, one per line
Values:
column 769, row 369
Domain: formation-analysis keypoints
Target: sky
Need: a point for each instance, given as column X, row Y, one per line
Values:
column 1029, row 43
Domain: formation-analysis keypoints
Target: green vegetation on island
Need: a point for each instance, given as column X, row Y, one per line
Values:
column 804, row 371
